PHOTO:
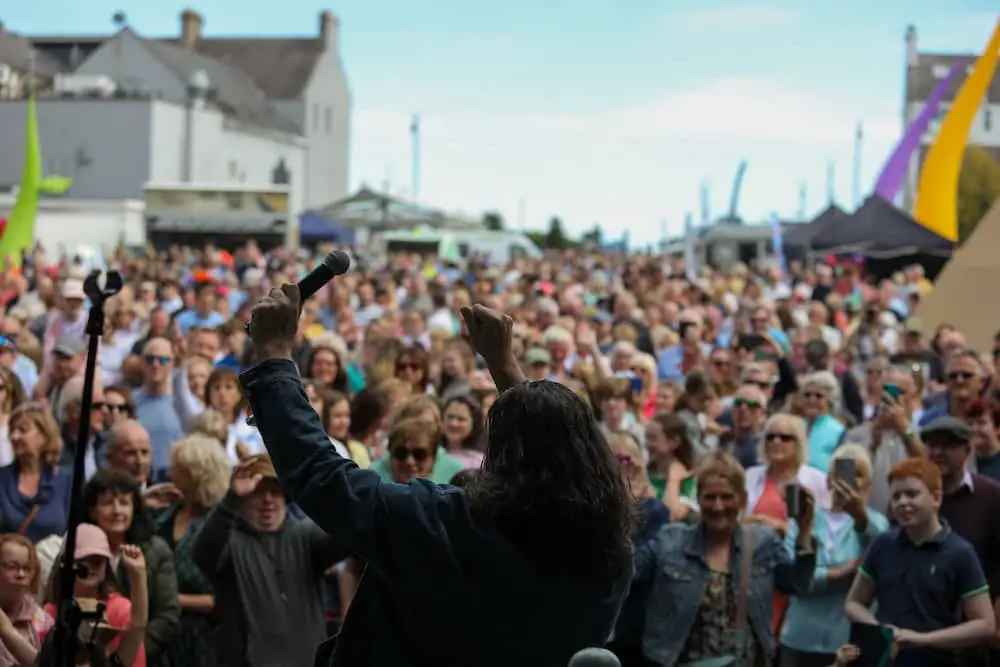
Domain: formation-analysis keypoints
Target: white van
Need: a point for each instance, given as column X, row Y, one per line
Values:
column 458, row 246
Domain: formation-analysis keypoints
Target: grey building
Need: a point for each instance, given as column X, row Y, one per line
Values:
column 189, row 109
column 923, row 72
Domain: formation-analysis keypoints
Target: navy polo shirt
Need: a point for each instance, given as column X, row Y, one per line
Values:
column 921, row 587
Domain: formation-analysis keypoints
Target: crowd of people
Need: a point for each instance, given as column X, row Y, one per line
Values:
column 804, row 456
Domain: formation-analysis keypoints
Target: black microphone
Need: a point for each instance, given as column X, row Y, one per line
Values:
column 335, row 264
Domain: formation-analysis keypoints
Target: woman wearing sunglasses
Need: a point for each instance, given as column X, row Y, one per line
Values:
column 412, row 450
column 95, row 581
column 653, row 515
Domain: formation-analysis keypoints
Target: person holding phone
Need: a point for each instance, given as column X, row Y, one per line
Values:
column 842, row 534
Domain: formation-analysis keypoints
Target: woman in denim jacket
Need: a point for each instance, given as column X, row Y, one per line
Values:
column 815, row 625
column 693, row 573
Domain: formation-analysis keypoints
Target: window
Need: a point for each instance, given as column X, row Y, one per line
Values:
column 328, row 119
column 940, row 70
column 463, row 250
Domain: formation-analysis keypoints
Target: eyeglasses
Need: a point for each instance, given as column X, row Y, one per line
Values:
column 961, row 375
column 161, row 359
column 780, row 437
column 10, row 566
column 745, row 403
column 405, row 366
column 117, row 407
column 419, row 454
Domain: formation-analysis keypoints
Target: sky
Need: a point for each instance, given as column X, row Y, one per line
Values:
column 598, row 111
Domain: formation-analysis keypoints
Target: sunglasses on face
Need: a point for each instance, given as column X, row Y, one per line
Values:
column 961, row 375
column 419, row 454
column 160, row 359
column 405, row 366
column 745, row 403
column 118, row 407
column 780, row 437
column 720, row 363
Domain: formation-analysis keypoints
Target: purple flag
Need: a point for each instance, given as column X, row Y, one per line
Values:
column 894, row 172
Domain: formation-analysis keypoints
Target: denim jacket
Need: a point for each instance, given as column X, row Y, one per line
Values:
column 815, row 621
column 676, row 570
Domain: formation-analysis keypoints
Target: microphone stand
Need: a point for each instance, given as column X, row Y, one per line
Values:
column 69, row 615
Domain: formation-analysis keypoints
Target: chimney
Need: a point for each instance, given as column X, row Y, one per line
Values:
column 911, row 46
column 191, row 23
column 328, row 25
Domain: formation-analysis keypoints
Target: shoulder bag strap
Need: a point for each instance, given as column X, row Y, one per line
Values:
column 29, row 519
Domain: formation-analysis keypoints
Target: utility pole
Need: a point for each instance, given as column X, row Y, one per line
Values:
column 415, row 156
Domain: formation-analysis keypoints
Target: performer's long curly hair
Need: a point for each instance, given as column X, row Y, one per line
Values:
column 551, row 485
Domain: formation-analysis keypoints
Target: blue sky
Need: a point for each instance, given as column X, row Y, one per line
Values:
column 593, row 110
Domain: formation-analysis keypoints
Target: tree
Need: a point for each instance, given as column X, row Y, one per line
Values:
column 978, row 188
column 555, row 238
column 493, row 221
column 595, row 236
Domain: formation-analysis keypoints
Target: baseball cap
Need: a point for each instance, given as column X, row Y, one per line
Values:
column 68, row 346
column 538, row 356
column 73, row 289
column 91, row 541
column 914, row 325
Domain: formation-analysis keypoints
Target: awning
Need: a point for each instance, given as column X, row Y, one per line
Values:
column 315, row 228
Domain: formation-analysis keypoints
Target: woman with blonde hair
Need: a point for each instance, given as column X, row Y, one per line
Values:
column 710, row 583
column 34, row 493
column 820, row 402
column 200, row 470
column 424, row 409
column 842, row 533
column 11, row 396
column 783, row 450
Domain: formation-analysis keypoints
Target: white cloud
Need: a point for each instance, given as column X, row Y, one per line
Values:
column 735, row 18
column 630, row 167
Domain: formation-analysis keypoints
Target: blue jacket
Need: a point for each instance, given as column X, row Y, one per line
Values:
column 52, row 500
column 676, row 571
column 439, row 588
column 815, row 621
column 653, row 516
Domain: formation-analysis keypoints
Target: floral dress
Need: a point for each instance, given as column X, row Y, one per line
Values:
column 194, row 644
column 714, row 626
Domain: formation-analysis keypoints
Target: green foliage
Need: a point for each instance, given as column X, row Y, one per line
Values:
column 978, row 189
column 555, row 238
column 493, row 221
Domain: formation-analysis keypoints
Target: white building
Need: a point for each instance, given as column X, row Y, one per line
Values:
column 244, row 113
column 923, row 72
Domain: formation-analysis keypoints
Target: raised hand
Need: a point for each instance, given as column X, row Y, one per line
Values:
column 161, row 496
column 274, row 322
column 243, row 483
column 133, row 560
column 489, row 331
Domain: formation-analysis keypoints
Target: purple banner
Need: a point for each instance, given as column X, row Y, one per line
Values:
column 894, row 172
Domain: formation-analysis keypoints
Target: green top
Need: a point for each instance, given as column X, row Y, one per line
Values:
column 446, row 466
column 659, row 485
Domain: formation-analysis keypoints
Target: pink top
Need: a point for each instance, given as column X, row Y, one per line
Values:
column 119, row 615
column 31, row 621
column 470, row 458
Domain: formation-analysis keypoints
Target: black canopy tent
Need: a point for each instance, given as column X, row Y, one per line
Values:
column 888, row 238
column 879, row 229
column 803, row 235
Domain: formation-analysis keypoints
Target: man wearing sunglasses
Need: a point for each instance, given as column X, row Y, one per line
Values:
column 964, row 380
column 745, row 417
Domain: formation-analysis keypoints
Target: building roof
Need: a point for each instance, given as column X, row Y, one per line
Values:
column 17, row 52
column 236, row 93
column 281, row 67
column 932, row 67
